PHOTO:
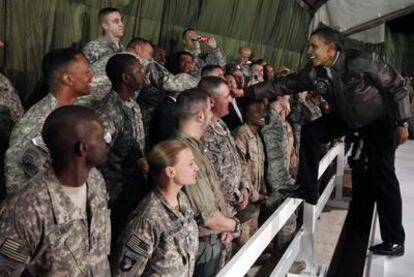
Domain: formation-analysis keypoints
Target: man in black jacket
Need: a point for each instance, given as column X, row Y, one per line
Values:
column 366, row 95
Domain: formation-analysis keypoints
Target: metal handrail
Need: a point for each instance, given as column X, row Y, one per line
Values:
column 248, row 254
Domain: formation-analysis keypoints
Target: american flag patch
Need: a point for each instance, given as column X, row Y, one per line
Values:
column 10, row 249
column 138, row 246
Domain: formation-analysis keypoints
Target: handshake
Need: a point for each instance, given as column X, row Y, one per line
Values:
column 292, row 83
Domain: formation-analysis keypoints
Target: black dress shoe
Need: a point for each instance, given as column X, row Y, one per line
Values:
column 388, row 249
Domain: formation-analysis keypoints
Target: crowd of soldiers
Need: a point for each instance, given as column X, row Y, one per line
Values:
column 99, row 175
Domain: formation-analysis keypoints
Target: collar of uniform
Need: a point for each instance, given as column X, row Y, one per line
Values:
column 220, row 128
column 273, row 113
column 62, row 207
column 50, row 101
column 247, row 130
column 189, row 139
column 339, row 63
column 118, row 100
column 117, row 47
column 168, row 206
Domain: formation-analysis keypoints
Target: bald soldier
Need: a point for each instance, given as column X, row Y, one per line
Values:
column 59, row 225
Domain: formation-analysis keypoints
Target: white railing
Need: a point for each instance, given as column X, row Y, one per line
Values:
column 303, row 242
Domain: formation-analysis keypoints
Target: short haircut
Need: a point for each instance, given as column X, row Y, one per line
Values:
column 230, row 68
column 117, row 65
column 328, row 35
column 208, row 69
column 65, row 127
column 211, row 84
column 257, row 62
column 55, row 62
column 173, row 62
column 189, row 29
column 246, row 109
column 104, row 12
column 138, row 41
column 190, row 102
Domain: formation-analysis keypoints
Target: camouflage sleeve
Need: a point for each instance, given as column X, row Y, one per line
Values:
column 137, row 245
column 242, row 147
column 179, row 82
column 217, row 56
column 16, row 106
column 90, row 52
column 35, row 157
column 15, row 249
column 16, row 178
column 111, row 119
column 10, row 98
column 277, row 175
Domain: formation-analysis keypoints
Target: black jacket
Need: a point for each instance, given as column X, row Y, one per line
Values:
column 362, row 88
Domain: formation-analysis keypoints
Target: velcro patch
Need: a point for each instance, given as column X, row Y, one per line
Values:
column 12, row 250
column 127, row 262
column 138, row 246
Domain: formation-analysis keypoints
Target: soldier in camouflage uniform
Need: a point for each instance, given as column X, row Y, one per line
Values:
column 162, row 237
column 10, row 99
column 303, row 111
column 223, row 152
column 216, row 226
column 291, row 152
column 158, row 80
column 244, row 60
column 278, row 177
column 48, row 230
column 27, row 154
column 11, row 110
column 192, row 46
column 110, row 20
column 122, row 119
column 251, row 150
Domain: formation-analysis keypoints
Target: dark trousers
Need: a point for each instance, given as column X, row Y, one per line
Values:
column 380, row 146
column 207, row 262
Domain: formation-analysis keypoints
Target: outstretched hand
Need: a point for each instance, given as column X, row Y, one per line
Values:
column 401, row 135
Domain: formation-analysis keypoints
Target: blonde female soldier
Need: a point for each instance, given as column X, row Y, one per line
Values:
column 161, row 238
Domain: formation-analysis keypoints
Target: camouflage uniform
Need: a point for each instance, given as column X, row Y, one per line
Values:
column 251, row 151
column 125, row 183
column 277, row 173
column 11, row 110
column 290, row 149
column 23, row 159
column 159, row 80
column 224, row 156
column 216, row 57
column 275, row 142
column 98, row 52
column 302, row 113
column 44, row 233
column 100, row 85
column 99, row 48
column 10, row 98
column 159, row 240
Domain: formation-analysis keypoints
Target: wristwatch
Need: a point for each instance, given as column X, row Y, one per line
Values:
column 403, row 124
column 237, row 226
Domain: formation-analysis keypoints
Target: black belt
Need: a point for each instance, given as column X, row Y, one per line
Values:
column 213, row 238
